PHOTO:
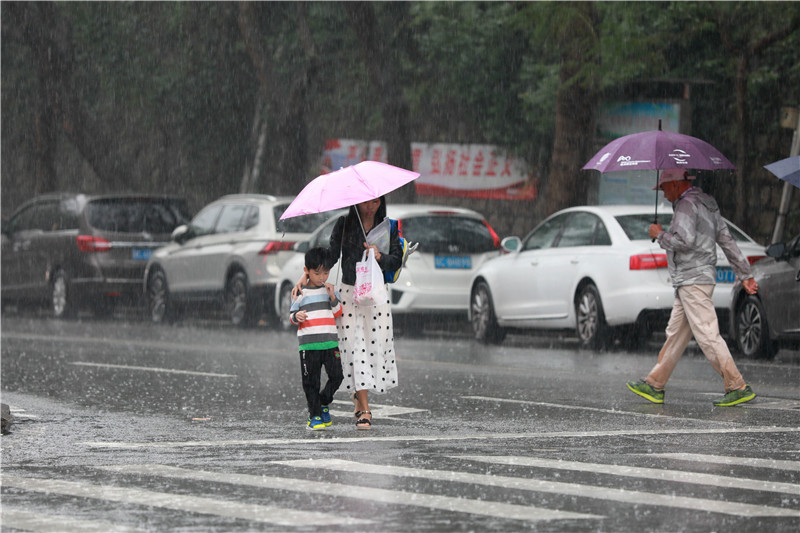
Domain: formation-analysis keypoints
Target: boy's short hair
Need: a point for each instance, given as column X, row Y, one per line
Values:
column 316, row 258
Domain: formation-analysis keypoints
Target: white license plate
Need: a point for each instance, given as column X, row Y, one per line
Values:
column 725, row 275
column 453, row 261
column 142, row 254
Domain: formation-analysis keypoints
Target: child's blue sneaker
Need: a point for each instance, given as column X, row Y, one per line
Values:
column 315, row 423
column 326, row 416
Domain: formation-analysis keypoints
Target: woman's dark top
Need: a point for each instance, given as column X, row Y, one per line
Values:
column 352, row 249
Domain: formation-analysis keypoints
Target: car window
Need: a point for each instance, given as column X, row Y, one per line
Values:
column 46, row 217
column 127, row 215
column 231, row 219
column 203, row 223
column 637, row 226
column 251, row 218
column 301, row 224
column 580, row 230
column 448, row 234
column 323, row 238
column 69, row 213
column 543, row 236
column 23, row 221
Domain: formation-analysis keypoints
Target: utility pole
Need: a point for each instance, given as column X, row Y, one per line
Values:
column 790, row 118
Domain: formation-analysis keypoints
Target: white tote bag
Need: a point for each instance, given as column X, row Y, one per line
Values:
column 370, row 289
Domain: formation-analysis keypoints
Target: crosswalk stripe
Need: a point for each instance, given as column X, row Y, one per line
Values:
column 321, row 437
column 432, row 501
column 260, row 513
column 153, row 369
column 30, row 521
column 776, row 464
column 658, row 474
column 555, row 487
column 585, row 408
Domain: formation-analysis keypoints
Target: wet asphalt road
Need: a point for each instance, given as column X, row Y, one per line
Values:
column 125, row 426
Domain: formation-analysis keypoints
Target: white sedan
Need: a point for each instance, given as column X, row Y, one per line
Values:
column 453, row 243
column 592, row 268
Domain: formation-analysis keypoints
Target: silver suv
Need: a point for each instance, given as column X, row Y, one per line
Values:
column 228, row 257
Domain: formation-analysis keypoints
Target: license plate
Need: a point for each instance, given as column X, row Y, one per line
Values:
column 142, row 254
column 725, row 275
column 453, row 261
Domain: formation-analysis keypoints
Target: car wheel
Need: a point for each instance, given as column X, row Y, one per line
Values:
column 284, row 306
column 240, row 310
column 752, row 330
column 484, row 321
column 60, row 301
column 590, row 320
column 158, row 300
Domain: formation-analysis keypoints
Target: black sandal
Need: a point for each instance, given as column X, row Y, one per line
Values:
column 363, row 423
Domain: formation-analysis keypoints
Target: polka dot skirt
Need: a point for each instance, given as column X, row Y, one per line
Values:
column 366, row 343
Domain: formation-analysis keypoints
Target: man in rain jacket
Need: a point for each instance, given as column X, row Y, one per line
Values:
column 697, row 227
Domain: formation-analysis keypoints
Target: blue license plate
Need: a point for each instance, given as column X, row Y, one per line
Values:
column 453, row 261
column 725, row 275
column 142, row 254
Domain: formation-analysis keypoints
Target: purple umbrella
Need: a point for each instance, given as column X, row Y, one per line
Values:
column 657, row 150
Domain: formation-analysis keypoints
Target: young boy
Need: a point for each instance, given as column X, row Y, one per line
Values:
column 315, row 312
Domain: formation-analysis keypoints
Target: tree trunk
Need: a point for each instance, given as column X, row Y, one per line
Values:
column 50, row 39
column 384, row 76
column 283, row 116
column 576, row 101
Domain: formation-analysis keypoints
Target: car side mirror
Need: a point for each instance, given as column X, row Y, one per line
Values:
column 776, row 250
column 511, row 244
column 181, row 234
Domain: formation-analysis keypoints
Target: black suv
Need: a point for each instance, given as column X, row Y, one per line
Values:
column 75, row 250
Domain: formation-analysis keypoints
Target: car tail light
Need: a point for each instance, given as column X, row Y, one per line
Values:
column 274, row 247
column 88, row 243
column 753, row 258
column 495, row 238
column 648, row 261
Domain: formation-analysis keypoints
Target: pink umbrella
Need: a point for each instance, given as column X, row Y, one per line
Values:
column 348, row 186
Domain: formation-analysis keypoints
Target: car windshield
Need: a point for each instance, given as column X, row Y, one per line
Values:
column 301, row 224
column 137, row 215
column 448, row 234
column 636, row 226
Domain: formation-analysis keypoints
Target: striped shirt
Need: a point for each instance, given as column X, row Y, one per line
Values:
column 318, row 330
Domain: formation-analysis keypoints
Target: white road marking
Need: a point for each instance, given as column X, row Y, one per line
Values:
column 155, row 369
column 431, row 501
column 554, row 487
column 320, row 437
column 594, row 409
column 776, row 464
column 281, row 516
column 640, row 472
column 29, row 521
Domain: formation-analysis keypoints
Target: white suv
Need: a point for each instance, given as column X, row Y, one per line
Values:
column 230, row 256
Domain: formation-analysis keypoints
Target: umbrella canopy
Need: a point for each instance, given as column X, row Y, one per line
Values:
column 656, row 150
column 787, row 169
column 348, row 186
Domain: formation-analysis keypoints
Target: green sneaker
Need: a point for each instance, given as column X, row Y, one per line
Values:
column 736, row 396
column 646, row 391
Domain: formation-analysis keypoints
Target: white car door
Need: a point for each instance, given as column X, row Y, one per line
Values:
column 517, row 289
column 183, row 263
column 558, row 267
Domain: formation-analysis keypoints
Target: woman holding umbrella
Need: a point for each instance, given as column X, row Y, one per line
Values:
column 366, row 336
